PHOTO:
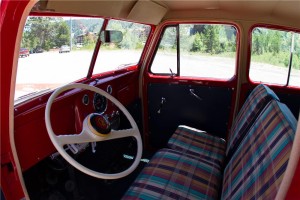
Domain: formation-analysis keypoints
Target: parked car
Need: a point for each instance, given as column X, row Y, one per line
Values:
column 64, row 49
column 24, row 52
column 38, row 49
column 200, row 100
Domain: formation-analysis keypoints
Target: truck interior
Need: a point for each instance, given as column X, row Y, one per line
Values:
column 150, row 99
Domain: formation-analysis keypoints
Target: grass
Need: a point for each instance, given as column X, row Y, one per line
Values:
column 281, row 59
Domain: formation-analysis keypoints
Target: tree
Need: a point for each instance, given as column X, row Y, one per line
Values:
column 231, row 47
column 63, row 34
column 45, row 32
column 198, row 45
column 168, row 40
column 257, row 42
column 41, row 30
column 211, row 39
column 275, row 41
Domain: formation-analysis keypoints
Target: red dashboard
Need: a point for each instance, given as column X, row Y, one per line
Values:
column 67, row 114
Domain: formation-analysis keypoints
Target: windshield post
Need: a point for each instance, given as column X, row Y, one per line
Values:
column 96, row 50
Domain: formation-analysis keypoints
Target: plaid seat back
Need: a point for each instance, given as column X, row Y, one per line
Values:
column 253, row 105
column 257, row 166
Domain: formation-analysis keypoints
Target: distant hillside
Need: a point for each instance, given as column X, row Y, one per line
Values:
column 83, row 25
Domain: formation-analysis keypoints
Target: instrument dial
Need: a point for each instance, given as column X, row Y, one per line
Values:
column 100, row 103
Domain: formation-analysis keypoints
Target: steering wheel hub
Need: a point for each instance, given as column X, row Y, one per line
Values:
column 99, row 125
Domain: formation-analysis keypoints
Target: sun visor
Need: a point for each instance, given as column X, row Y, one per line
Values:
column 147, row 12
column 116, row 9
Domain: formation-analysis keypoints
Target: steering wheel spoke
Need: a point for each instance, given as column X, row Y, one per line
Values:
column 74, row 138
column 115, row 134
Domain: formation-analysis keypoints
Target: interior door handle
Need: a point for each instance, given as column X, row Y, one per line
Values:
column 192, row 91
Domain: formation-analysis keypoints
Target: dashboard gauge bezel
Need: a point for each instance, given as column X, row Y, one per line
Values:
column 103, row 103
column 86, row 99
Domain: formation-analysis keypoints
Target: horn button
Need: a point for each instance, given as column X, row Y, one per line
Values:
column 99, row 124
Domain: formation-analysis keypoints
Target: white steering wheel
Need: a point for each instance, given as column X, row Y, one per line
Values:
column 90, row 134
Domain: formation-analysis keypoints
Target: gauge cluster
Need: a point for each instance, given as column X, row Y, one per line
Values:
column 99, row 102
column 94, row 102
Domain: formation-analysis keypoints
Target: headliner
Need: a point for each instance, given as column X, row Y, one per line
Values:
column 280, row 12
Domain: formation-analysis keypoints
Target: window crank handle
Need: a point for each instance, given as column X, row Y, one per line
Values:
column 192, row 91
column 162, row 102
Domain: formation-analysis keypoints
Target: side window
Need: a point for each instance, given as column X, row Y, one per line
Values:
column 165, row 61
column 275, row 57
column 126, row 53
column 204, row 50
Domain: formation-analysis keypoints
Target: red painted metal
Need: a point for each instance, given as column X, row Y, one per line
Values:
column 11, row 13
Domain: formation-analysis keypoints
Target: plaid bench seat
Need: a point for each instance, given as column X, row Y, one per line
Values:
column 255, row 169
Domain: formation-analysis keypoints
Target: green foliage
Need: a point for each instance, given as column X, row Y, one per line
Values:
column 129, row 40
column 273, row 47
column 211, row 40
column 275, row 43
column 89, row 39
column 296, row 61
column 257, row 47
column 198, row 44
column 207, row 39
column 83, row 25
column 168, row 41
column 63, row 34
column 231, row 47
column 281, row 59
column 45, row 32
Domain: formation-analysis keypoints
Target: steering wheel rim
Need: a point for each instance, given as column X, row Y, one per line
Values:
column 88, row 136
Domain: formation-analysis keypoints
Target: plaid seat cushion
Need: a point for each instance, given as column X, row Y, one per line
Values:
column 252, row 107
column 257, row 167
column 172, row 175
column 198, row 143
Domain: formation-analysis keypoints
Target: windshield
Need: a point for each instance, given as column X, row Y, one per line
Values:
column 58, row 50
column 127, row 52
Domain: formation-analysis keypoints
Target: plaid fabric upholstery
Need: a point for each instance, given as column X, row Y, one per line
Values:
column 172, row 175
column 203, row 145
column 253, row 105
column 198, row 143
column 256, row 169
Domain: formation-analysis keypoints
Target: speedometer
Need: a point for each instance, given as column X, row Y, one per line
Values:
column 100, row 103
